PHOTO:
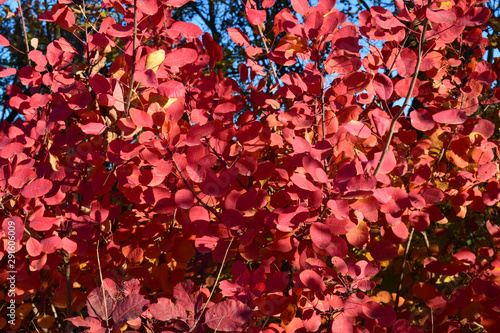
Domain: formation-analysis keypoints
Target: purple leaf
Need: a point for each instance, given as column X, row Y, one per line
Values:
column 166, row 310
column 130, row 308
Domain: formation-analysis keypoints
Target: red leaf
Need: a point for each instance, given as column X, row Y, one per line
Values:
column 302, row 182
column 33, row 247
column 129, row 308
column 256, row 17
column 37, row 188
column 358, row 129
column 69, row 245
column 42, row 223
column 147, row 7
column 141, row 118
column 63, row 15
column 227, row 316
column 491, row 193
column 388, row 164
column 383, row 250
column 238, row 36
column 422, row 120
column 51, row 244
column 185, row 29
column 373, row 310
column 95, row 304
column 184, row 199
column 452, row 117
column 442, row 16
column 166, row 310
column 7, row 72
column 268, row 3
column 11, row 149
column 383, row 86
column 21, row 177
column 147, row 78
column 358, row 236
column 312, row 280
column 420, row 220
column 4, row 41
column 300, row 6
column 320, row 235
column 406, row 62
column 180, row 57
column 93, row 128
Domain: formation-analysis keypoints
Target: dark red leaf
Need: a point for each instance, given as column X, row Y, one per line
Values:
column 129, row 308
column 227, row 316
column 166, row 310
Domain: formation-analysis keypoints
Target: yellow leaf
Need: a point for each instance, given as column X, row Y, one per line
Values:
column 445, row 5
column 154, row 60
column 46, row 321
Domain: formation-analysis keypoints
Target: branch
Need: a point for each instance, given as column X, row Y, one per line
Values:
column 102, row 287
column 400, row 282
column 213, row 289
column 273, row 69
column 406, row 101
column 24, row 31
column 129, row 97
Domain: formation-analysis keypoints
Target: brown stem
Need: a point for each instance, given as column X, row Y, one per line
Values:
column 129, row 97
column 213, row 289
column 400, row 282
column 273, row 69
column 102, row 288
column 406, row 101
column 69, row 286
column 24, row 32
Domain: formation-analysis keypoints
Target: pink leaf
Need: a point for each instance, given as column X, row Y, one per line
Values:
column 452, row 117
column 95, row 304
column 93, row 128
column 358, row 129
column 383, row 86
column 148, row 7
column 21, row 177
column 184, row 199
column 422, row 120
column 51, row 244
column 33, row 247
column 4, row 41
column 227, row 316
column 238, row 37
column 180, row 57
column 442, row 16
column 185, row 29
column 320, row 235
column 312, row 280
column 256, row 17
column 300, row 6
column 37, row 188
column 69, row 245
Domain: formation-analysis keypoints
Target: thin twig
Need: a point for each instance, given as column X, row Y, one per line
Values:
column 131, row 87
column 273, row 69
column 213, row 289
column 24, row 31
column 407, row 99
column 102, row 287
column 400, row 282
